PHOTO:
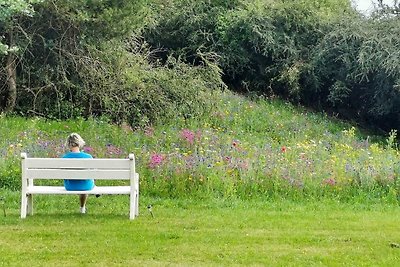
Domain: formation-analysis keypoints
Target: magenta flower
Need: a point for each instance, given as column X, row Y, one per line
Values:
column 88, row 149
column 227, row 158
column 188, row 135
column 156, row 160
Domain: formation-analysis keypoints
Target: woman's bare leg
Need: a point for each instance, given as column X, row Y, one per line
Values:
column 82, row 201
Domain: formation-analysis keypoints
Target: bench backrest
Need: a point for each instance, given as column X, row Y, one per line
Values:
column 59, row 168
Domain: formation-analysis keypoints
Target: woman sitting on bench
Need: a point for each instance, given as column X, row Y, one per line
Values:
column 75, row 143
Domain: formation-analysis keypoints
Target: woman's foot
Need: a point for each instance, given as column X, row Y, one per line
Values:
column 83, row 210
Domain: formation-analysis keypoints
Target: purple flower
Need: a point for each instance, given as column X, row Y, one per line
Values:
column 113, row 150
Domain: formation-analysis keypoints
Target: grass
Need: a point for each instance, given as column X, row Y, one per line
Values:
column 199, row 233
column 255, row 183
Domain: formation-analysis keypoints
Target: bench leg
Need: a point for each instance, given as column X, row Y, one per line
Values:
column 24, row 205
column 137, row 196
column 30, row 205
column 134, row 199
column 132, row 206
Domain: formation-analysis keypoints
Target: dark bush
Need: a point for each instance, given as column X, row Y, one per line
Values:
column 358, row 71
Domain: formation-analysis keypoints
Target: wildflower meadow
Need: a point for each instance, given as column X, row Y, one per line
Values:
column 243, row 149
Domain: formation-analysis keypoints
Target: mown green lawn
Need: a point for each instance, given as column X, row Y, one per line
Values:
column 192, row 232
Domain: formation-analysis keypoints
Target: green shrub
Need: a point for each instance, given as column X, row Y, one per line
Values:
column 126, row 87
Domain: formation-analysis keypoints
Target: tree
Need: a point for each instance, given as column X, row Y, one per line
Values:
column 9, row 12
column 387, row 9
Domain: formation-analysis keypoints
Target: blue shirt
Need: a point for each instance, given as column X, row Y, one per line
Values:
column 81, row 185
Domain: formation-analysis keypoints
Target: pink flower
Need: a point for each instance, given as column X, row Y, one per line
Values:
column 113, row 150
column 283, row 149
column 149, row 131
column 243, row 165
column 156, row 160
column 188, row 135
column 329, row 181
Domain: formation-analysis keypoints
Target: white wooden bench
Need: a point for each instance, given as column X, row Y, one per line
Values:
column 61, row 168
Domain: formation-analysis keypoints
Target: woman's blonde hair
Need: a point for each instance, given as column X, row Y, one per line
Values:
column 75, row 140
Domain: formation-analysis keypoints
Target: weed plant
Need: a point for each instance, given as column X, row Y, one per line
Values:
column 260, row 148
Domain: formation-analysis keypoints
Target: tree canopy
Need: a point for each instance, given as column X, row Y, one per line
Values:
column 126, row 59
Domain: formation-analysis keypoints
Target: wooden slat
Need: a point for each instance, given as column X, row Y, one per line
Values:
column 58, row 190
column 77, row 174
column 48, row 163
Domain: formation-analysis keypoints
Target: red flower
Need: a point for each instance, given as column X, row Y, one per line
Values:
column 283, row 149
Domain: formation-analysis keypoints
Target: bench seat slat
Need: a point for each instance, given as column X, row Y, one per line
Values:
column 77, row 174
column 48, row 163
column 102, row 190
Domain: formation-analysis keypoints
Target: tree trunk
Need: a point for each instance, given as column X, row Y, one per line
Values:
column 11, row 76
